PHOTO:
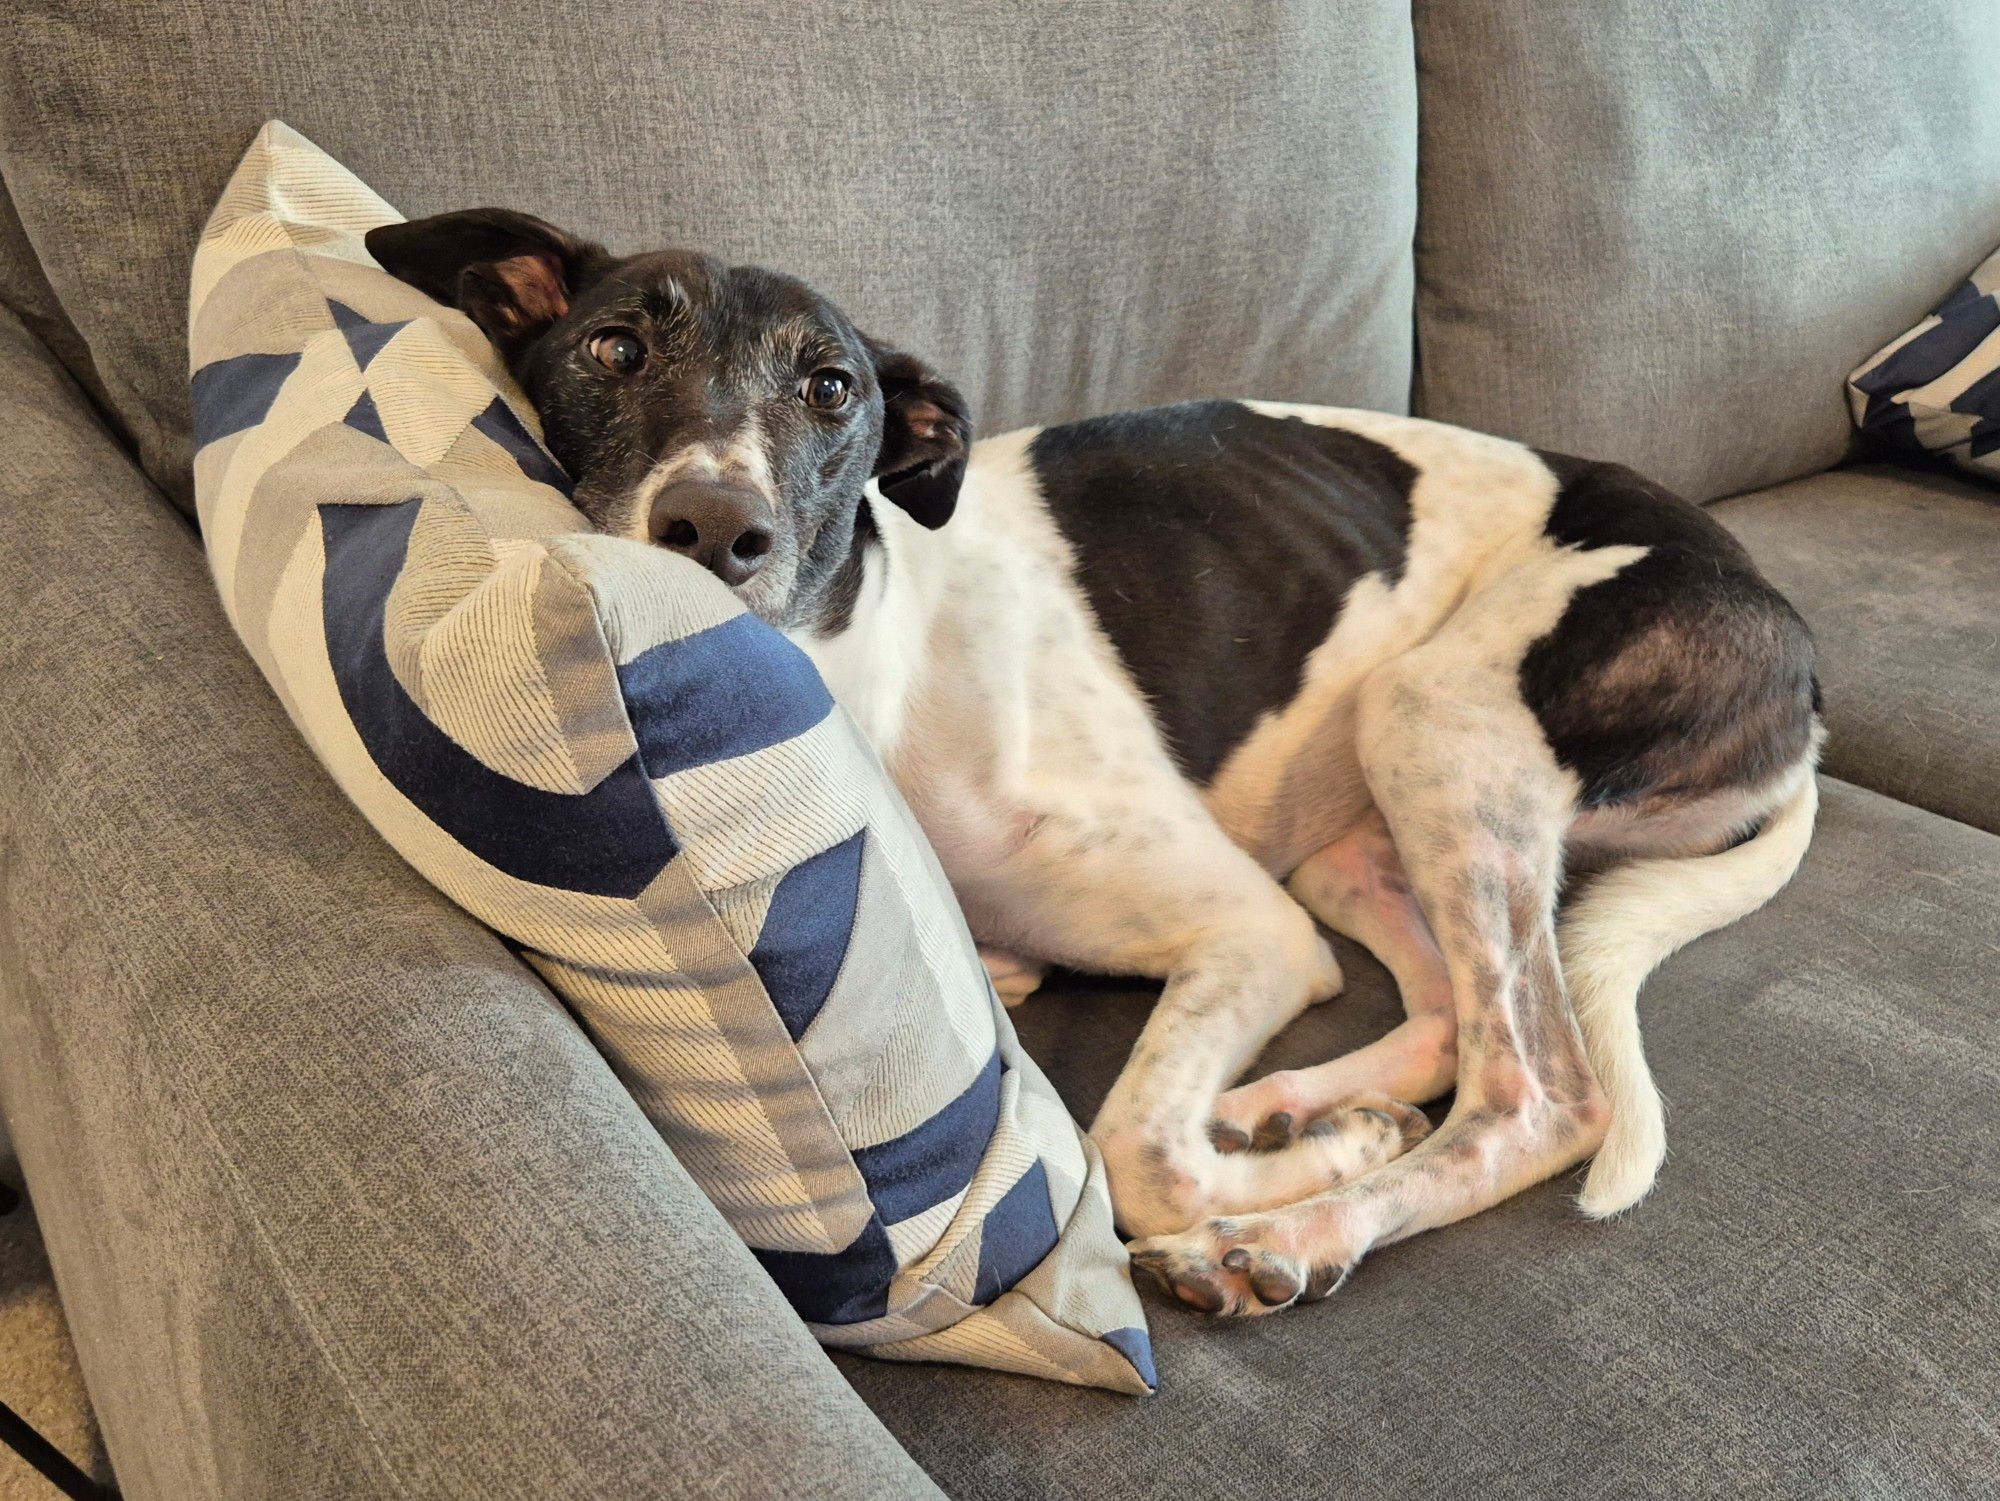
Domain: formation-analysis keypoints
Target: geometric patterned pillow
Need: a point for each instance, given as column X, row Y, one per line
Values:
column 591, row 747
column 1937, row 388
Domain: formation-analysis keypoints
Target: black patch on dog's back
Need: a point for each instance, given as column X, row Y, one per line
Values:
column 1216, row 546
column 1684, row 673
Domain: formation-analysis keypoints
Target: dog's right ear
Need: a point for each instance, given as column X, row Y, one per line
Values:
column 510, row 273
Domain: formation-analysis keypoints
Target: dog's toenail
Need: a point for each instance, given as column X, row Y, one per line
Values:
column 1198, row 1292
column 1237, row 1260
column 1227, row 1138
column 1148, row 1257
column 1275, row 1132
column 1322, row 1281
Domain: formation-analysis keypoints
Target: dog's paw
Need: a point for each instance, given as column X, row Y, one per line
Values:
column 1272, row 1113
column 1233, row 1268
column 1014, row 978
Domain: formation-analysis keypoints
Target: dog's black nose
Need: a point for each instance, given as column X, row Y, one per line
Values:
column 725, row 528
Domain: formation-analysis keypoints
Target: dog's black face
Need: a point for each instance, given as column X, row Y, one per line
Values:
column 726, row 412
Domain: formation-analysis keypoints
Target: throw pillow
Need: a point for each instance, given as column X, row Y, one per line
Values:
column 589, row 745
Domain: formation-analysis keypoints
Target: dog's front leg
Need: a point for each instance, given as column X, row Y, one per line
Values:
column 1357, row 886
column 1131, row 876
column 1230, row 990
column 1247, row 962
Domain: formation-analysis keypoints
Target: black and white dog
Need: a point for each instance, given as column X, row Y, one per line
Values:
column 1172, row 685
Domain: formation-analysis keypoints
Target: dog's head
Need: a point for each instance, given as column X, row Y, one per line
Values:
column 726, row 412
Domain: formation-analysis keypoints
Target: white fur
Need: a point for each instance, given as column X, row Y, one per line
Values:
column 742, row 458
column 1618, row 931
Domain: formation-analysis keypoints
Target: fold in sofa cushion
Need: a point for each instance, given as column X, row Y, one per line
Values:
column 1937, row 388
column 589, row 745
column 1803, row 1307
column 1664, row 231
column 1898, row 573
column 1068, row 209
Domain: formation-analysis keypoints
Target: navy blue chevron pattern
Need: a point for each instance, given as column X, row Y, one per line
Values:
column 500, row 424
column 846, row 1287
column 734, row 688
column 1020, row 1231
column 365, row 417
column 799, row 953
column 1889, row 392
column 929, row 1164
column 907, row 1175
column 366, row 339
column 234, row 394
column 610, row 841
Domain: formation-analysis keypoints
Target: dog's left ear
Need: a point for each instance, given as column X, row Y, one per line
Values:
column 511, row 273
column 926, row 436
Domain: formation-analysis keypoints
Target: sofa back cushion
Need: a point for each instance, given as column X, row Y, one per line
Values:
column 1664, row 231
column 1068, row 208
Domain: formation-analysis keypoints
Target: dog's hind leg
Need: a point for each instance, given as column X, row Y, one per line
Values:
column 1478, row 807
column 1357, row 887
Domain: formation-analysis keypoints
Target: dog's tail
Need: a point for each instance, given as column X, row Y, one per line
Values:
column 1615, row 933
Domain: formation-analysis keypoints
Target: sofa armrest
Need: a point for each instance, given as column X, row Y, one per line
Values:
column 340, row 1200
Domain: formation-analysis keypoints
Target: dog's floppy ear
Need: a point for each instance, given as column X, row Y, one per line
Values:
column 510, row 273
column 926, row 436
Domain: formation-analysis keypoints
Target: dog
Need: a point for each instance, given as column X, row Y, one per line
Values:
column 1170, row 690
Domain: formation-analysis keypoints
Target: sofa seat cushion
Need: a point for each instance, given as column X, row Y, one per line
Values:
column 1801, row 1308
column 1898, row 573
column 1171, row 199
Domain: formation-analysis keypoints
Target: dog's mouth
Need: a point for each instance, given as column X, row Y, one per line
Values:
column 758, row 598
column 767, row 593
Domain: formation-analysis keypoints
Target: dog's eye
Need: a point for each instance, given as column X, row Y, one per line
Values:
column 825, row 389
column 617, row 350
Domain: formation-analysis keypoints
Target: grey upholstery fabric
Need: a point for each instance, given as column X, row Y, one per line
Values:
column 340, row 1201
column 1664, row 231
column 1801, row 1309
column 1070, row 209
column 1898, row 573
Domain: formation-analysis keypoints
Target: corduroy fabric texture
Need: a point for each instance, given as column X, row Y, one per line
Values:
column 1936, row 390
column 1664, row 231
column 589, row 745
column 1068, row 209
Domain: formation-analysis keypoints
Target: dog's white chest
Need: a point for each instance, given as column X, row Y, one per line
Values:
column 975, row 670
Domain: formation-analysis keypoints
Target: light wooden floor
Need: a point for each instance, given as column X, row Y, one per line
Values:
column 38, row 1374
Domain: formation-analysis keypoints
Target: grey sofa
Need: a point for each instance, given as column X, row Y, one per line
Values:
column 342, row 1204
